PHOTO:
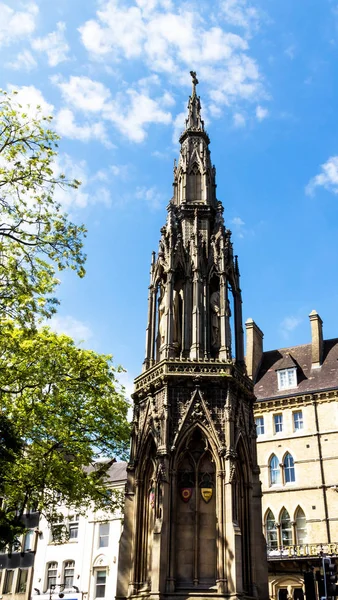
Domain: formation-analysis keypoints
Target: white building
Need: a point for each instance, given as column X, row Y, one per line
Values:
column 84, row 567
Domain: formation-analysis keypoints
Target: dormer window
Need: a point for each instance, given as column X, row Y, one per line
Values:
column 287, row 378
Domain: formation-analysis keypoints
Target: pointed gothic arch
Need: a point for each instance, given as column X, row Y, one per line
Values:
column 289, row 468
column 194, row 521
column 241, row 515
column 285, row 527
column 270, row 528
column 195, row 183
column 274, row 470
column 300, row 525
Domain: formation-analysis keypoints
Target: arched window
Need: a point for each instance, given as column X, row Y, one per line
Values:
column 286, row 528
column 196, row 514
column 289, row 469
column 274, row 470
column 300, row 526
column 271, row 531
column 52, row 569
column 195, row 184
column 68, row 573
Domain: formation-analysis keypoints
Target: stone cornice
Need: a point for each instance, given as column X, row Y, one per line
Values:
column 271, row 404
column 202, row 370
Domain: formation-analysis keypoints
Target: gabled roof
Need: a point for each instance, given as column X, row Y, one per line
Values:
column 309, row 380
column 287, row 362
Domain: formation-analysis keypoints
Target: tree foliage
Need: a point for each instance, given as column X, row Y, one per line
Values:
column 36, row 237
column 66, row 404
column 61, row 406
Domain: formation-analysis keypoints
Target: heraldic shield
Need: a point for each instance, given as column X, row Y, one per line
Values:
column 186, row 494
column 206, row 494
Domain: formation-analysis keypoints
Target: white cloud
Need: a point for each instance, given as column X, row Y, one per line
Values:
column 24, row 60
column 87, row 194
column 237, row 221
column 131, row 113
column 172, row 42
column 151, row 196
column 288, row 324
column 239, row 120
column 241, row 14
column 66, row 126
column 79, row 331
column 30, row 98
column 54, row 45
column 290, row 52
column 17, row 24
column 261, row 113
column 328, row 178
column 179, row 124
column 83, row 93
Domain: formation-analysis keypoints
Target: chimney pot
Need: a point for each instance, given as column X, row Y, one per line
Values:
column 316, row 339
column 254, row 348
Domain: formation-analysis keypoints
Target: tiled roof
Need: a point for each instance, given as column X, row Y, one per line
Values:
column 118, row 472
column 309, row 380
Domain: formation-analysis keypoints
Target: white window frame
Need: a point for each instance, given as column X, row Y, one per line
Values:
column 73, row 525
column 19, row 582
column 287, row 378
column 8, row 581
column 278, row 426
column 100, row 585
column 104, row 536
column 298, row 422
column 28, row 541
column 260, row 429
column 68, row 565
column 51, row 566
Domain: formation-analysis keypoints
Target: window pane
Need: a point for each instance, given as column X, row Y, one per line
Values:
column 100, row 584
column 8, row 582
column 259, row 425
column 271, row 531
column 298, row 420
column 300, row 527
column 289, row 469
column 274, row 470
column 51, row 575
column 286, row 529
column 278, row 421
column 73, row 531
column 22, row 581
column 28, row 541
column 103, row 535
column 69, row 573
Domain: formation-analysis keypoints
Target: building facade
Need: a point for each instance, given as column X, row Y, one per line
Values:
column 193, row 503
column 296, row 414
column 85, row 566
column 17, row 565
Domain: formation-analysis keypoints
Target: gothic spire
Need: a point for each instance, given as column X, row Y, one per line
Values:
column 194, row 121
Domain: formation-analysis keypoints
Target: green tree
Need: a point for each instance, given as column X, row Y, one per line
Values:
column 36, row 236
column 61, row 406
column 65, row 403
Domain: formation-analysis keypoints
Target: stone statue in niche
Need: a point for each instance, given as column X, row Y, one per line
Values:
column 228, row 328
column 162, row 315
column 177, row 318
column 215, row 306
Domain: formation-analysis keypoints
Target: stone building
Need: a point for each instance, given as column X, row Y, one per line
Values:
column 193, row 502
column 296, row 415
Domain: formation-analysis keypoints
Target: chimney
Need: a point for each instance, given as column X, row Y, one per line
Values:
column 316, row 339
column 254, row 348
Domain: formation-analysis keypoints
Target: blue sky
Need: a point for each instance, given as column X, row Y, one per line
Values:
column 115, row 76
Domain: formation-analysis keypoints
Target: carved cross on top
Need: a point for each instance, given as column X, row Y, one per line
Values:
column 194, row 81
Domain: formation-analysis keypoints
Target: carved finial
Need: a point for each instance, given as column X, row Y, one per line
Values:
column 194, row 82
